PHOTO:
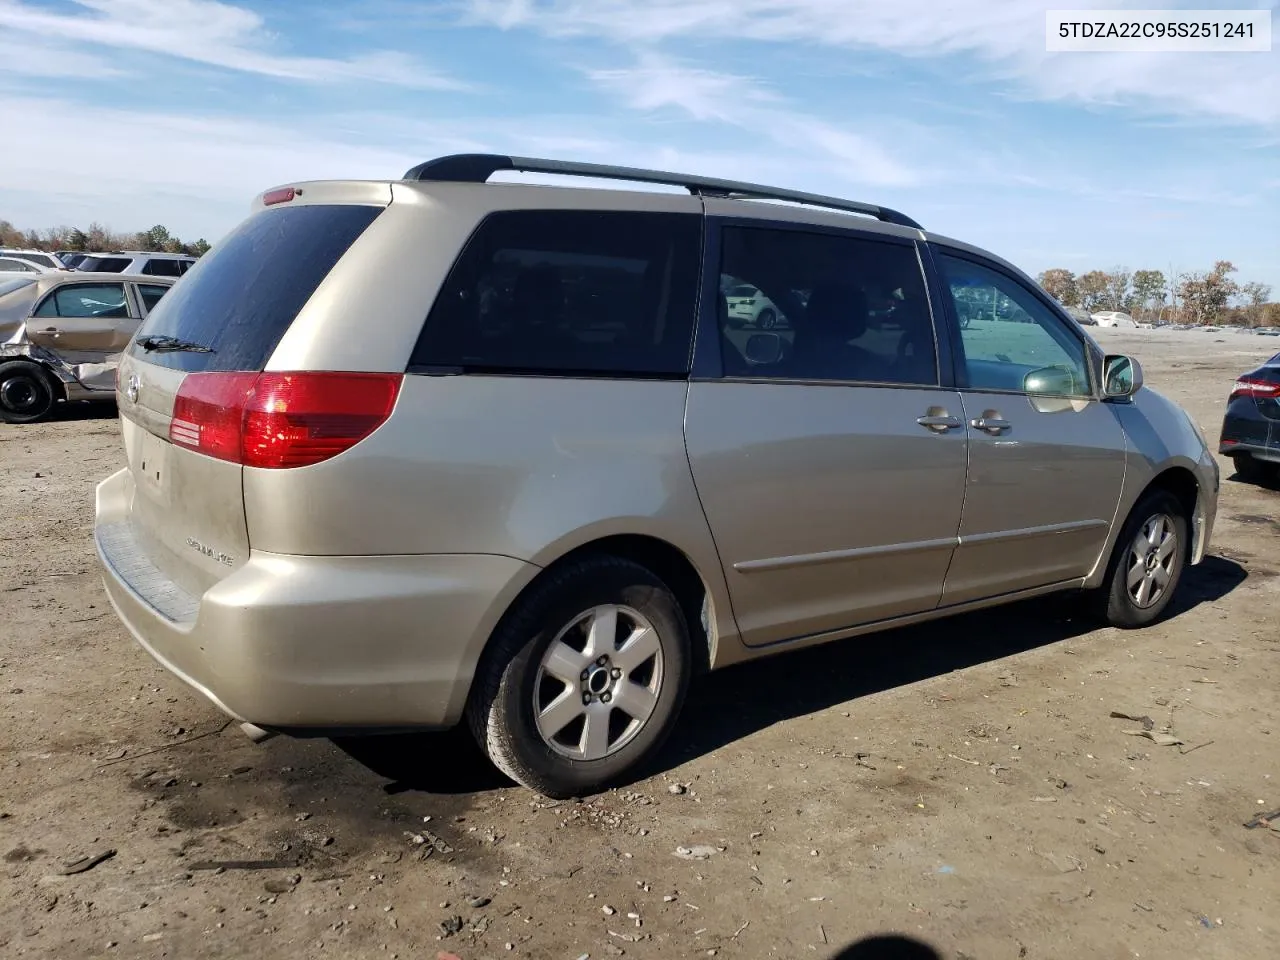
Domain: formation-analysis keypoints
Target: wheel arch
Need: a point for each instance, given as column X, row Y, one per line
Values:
column 1180, row 482
column 51, row 374
column 670, row 564
column 56, row 387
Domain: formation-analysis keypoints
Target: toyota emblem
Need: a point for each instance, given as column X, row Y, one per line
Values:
column 132, row 386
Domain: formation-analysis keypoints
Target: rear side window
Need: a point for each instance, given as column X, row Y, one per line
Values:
column 162, row 268
column 104, row 264
column 569, row 292
column 241, row 297
column 151, row 294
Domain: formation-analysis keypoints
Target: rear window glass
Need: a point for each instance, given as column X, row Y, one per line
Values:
column 162, row 268
column 43, row 259
column 569, row 292
column 104, row 264
column 7, row 286
column 241, row 297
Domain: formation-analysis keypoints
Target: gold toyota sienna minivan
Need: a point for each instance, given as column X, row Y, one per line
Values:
column 403, row 454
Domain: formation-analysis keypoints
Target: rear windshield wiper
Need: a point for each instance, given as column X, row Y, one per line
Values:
column 173, row 343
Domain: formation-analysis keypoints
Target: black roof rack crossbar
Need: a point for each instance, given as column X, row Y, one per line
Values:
column 479, row 167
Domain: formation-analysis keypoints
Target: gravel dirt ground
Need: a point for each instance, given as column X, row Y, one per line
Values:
column 961, row 783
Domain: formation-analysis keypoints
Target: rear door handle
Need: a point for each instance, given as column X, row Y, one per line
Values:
column 992, row 425
column 939, row 423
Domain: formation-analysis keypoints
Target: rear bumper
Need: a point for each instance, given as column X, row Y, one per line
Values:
column 318, row 643
column 1244, row 429
column 1260, row 451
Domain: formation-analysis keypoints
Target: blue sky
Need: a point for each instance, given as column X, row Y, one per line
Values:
column 133, row 112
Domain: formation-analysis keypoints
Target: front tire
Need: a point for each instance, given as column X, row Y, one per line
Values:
column 767, row 320
column 584, row 678
column 26, row 395
column 1147, row 563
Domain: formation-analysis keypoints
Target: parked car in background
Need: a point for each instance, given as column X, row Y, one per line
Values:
column 1114, row 318
column 1251, row 425
column 17, row 265
column 748, row 307
column 1081, row 316
column 46, row 261
column 70, row 258
column 61, row 335
column 540, row 480
column 137, row 262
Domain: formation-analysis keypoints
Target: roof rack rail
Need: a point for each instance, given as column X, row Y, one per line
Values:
column 479, row 167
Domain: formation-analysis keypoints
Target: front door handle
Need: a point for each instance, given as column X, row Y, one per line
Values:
column 939, row 423
column 992, row 425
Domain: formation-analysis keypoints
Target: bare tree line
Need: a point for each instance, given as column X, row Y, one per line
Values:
column 98, row 238
column 1211, row 296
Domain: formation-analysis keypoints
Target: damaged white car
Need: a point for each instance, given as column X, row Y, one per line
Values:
column 61, row 336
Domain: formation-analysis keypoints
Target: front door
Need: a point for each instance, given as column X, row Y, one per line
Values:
column 1046, row 456
column 87, row 325
column 829, row 460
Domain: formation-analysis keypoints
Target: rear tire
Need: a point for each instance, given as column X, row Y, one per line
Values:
column 584, row 678
column 1252, row 470
column 1147, row 563
column 26, row 395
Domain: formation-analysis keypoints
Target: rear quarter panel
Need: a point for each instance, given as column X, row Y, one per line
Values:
column 524, row 467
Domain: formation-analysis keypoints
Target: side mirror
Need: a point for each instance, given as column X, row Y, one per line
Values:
column 1051, row 382
column 1121, row 377
column 763, row 349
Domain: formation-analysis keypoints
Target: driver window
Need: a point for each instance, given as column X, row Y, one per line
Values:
column 810, row 306
column 1007, row 334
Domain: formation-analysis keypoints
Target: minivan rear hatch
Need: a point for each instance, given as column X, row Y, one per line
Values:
column 186, row 384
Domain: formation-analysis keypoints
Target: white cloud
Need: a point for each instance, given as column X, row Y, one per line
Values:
column 1006, row 38
column 195, row 174
column 52, row 60
column 656, row 82
column 203, row 31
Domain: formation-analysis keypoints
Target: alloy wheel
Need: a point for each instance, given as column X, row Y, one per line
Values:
column 1152, row 557
column 598, row 682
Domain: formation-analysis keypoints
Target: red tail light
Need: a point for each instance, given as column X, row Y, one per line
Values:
column 280, row 420
column 1260, row 389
